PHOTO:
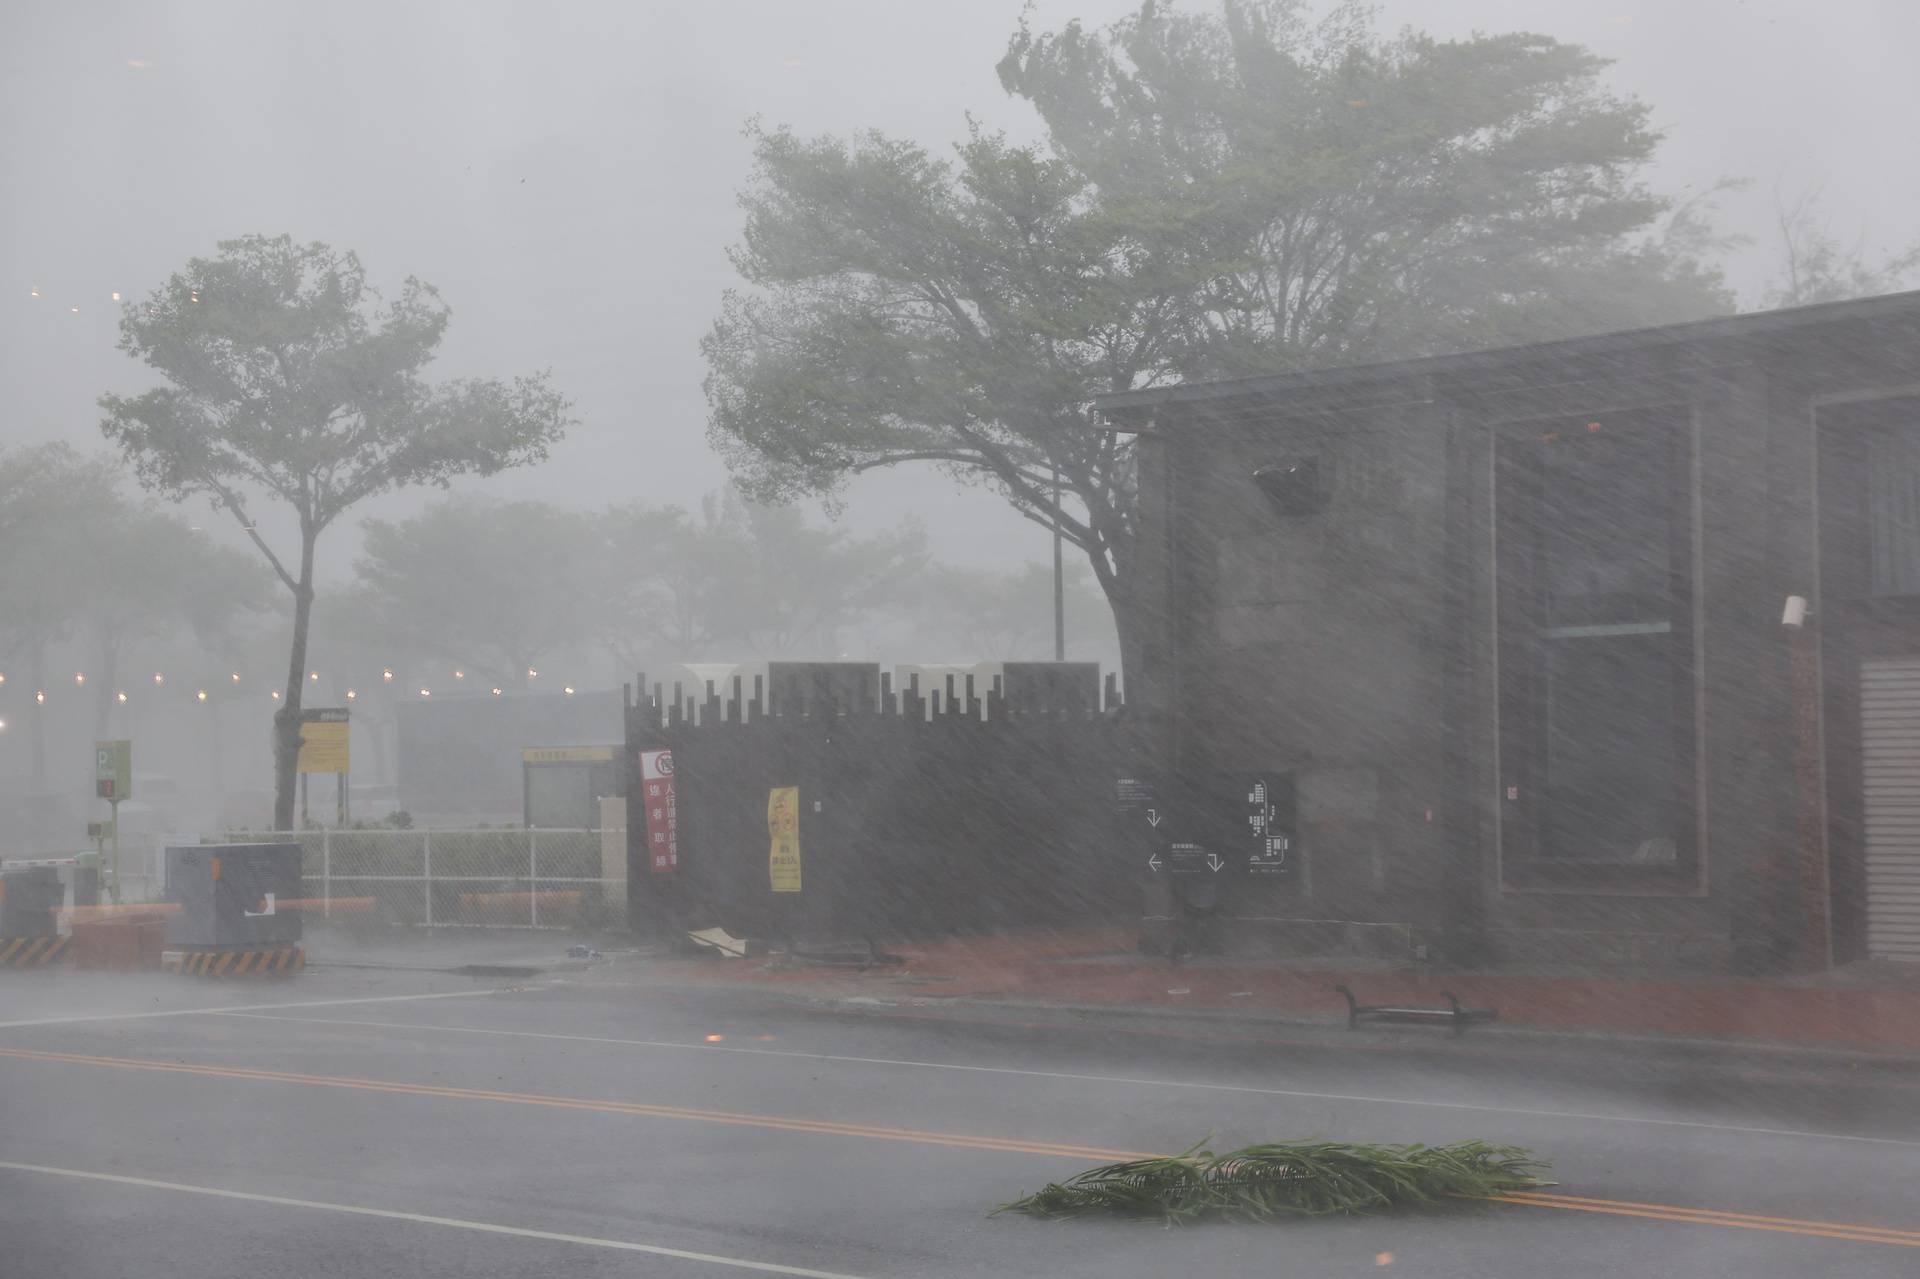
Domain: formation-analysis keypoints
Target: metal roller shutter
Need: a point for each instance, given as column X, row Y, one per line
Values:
column 1890, row 751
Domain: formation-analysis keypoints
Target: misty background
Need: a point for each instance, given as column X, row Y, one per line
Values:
column 567, row 177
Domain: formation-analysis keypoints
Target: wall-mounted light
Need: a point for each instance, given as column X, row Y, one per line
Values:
column 1293, row 486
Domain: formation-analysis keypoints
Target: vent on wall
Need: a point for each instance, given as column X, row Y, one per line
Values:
column 1293, row 486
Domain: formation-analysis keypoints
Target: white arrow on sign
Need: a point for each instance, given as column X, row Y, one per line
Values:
column 1153, row 818
column 1214, row 863
column 255, row 914
column 1154, row 861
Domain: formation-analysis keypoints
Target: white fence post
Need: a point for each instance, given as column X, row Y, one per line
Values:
column 326, row 874
column 426, row 853
column 533, row 872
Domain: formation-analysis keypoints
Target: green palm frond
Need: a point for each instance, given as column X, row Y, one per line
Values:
column 1285, row 1179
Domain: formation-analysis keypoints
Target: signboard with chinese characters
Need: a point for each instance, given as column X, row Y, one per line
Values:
column 323, row 740
column 783, row 829
column 113, row 770
column 660, row 813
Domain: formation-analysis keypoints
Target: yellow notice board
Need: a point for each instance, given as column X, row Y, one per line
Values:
column 783, row 825
column 323, row 741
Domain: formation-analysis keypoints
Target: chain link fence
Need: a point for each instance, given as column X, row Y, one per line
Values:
column 434, row 878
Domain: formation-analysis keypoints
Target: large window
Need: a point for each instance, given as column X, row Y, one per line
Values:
column 1594, row 567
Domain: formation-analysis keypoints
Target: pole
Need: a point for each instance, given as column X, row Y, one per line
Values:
column 326, row 874
column 114, row 804
column 304, row 823
column 533, row 872
column 426, row 857
column 1815, row 951
column 340, row 800
column 1059, row 580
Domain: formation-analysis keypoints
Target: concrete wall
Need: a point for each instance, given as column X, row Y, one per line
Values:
column 1356, row 646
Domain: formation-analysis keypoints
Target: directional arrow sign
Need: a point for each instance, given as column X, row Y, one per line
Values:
column 1153, row 862
column 1214, row 863
column 1153, row 818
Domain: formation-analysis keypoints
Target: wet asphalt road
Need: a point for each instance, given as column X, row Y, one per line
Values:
column 613, row 1122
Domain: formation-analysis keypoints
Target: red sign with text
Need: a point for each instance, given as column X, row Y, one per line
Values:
column 662, row 828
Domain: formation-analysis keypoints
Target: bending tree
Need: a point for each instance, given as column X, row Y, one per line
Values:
column 1217, row 194
column 289, row 379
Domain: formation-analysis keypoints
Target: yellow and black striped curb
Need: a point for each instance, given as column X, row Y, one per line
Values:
column 235, row 963
column 33, row 952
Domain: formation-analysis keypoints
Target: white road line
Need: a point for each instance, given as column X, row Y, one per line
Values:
column 1129, row 1081
column 420, row 1218
column 239, row 1008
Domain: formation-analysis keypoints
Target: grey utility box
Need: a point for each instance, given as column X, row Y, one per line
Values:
column 232, row 894
column 29, row 896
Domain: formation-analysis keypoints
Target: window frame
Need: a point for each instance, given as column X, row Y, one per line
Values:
column 1521, row 654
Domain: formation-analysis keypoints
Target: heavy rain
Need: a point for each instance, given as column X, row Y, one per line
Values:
column 859, row 638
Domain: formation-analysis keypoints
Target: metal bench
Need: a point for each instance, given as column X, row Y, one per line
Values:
column 1458, row 1018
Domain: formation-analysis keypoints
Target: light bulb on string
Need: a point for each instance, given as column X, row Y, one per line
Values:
column 496, row 692
column 459, row 674
column 426, row 692
column 314, row 676
column 568, row 690
column 121, row 697
column 79, row 677
column 276, row 694
column 116, row 295
column 350, row 694
column 236, row 677
column 40, row 696
column 3, row 677
column 532, row 674
column 201, row 695
column 386, row 676
column 158, row 678
column 33, row 292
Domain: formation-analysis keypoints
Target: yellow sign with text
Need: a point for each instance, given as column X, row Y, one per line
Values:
column 783, row 825
column 323, row 741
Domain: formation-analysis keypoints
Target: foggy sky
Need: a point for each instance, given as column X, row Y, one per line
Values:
column 565, row 174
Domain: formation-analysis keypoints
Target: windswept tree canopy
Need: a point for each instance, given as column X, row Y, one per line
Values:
column 1218, row 193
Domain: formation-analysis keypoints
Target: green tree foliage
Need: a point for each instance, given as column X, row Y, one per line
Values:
column 1816, row 267
column 288, row 377
column 976, row 615
column 741, row 580
column 498, row 585
column 1218, row 193
column 86, row 562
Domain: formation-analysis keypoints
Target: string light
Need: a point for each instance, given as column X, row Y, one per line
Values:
column 158, row 678
column 459, row 674
column 568, row 690
column 193, row 295
column 236, row 677
column 386, row 676
column 350, row 694
column 314, row 676
column 496, row 692
column 201, row 695
column 79, row 677
column 426, row 693
column 74, row 309
column 34, row 292
column 3, row 726
column 3, row 677
column 532, row 674
column 120, row 697
column 276, row 694
column 116, row 295
column 40, row 696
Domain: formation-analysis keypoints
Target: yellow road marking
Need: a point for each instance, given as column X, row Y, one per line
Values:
column 1537, row 1199
column 1715, row 1217
column 782, row 1123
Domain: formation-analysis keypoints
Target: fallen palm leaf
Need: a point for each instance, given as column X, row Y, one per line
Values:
column 1285, row 1179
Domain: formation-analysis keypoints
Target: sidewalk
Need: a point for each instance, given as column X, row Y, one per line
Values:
column 1873, row 1009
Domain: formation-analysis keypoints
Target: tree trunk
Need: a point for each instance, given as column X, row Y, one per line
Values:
column 286, row 720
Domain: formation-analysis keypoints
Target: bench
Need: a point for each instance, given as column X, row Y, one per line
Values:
column 1459, row 1018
